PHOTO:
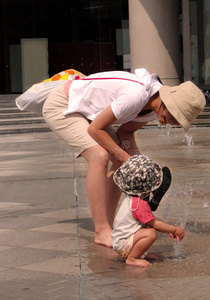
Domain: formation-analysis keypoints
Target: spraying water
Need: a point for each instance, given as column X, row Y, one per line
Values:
column 181, row 199
column 188, row 139
column 168, row 129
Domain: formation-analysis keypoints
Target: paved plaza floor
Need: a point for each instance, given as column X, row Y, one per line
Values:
column 46, row 230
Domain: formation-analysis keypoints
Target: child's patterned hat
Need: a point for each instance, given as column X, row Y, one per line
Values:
column 138, row 175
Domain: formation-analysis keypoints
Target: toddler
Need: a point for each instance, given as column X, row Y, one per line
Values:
column 135, row 225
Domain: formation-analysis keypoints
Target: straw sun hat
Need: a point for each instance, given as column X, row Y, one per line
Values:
column 184, row 102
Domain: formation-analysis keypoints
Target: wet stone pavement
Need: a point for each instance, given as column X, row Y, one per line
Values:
column 46, row 231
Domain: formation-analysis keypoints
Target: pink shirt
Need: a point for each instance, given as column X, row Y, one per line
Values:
column 141, row 210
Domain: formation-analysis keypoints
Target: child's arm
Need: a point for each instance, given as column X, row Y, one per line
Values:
column 175, row 232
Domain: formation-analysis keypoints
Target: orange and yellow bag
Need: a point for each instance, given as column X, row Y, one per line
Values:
column 33, row 99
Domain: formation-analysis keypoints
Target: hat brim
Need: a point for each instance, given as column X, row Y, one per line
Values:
column 138, row 175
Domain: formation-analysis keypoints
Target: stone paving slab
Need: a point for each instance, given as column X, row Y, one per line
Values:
column 46, row 232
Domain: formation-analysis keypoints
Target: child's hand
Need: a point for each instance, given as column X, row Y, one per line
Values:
column 178, row 234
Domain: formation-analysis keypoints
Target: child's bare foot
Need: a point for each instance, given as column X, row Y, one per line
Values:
column 140, row 262
column 151, row 256
column 104, row 238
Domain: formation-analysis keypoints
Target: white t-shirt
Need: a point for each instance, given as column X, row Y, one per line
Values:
column 122, row 90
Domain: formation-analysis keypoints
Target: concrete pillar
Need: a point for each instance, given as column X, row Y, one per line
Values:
column 186, row 40
column 155, row 38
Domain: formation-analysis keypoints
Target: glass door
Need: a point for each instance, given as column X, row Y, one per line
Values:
column 200, row 42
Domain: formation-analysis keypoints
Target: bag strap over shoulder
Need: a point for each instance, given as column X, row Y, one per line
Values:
column 109, row 78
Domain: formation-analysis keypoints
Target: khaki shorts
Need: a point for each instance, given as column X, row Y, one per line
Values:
column 73, row 129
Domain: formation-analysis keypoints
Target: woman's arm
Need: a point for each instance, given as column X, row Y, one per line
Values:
column 126, row 135
column 97, row 132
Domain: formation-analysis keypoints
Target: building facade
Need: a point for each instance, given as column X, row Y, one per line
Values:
column 41, row 38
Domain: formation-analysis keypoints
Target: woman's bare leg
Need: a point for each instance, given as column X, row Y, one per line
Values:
column 143, row 239
column 98, row 159
column 113, row 192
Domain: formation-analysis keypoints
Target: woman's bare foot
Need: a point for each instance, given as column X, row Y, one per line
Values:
column 104, row 238
column 140, row 262
column 151, row 256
